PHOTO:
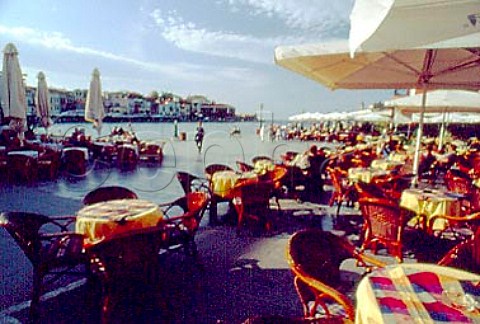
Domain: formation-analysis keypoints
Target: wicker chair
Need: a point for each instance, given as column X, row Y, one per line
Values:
column 277, row 319
column 74, row 162
column 22, row 168
column 126, row 258
column 192, row 183
column 212, row 168
column 461, row 183
column 181, row 221
column 257, row 158
column 465, row 255
column 314, row 257
column 127, row 157
column 52, row 255
column 252, row 200
column 368, row 190
column 458, row 226
column 108, row 193
column 393, row 184
column 342, row 192
column 276, row 176
column 215, row 199
column 384, row 223
column 244, row 167
column 49, row 164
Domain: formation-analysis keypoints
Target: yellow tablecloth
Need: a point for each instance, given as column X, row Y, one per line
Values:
column 263, row 166
column 429, row 203
column 364, row 174
column 383, row 164
column 416, row 293
column 105, row 219
column 399, row 157
column 224, row 181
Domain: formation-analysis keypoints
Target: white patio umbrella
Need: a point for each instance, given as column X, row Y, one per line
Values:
column 378, row 25
column 94, row 110
column 444, row 66
column 42, row 101
column 14, row 101
column 443, row 101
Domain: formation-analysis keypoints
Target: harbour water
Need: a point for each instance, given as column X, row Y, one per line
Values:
column 159, row 183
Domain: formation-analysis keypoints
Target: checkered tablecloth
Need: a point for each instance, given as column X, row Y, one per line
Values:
column 418, row 293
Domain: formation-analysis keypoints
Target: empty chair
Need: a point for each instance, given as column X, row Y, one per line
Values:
column 244, row 167
column 51, row 254
column 342, row 191
column 108, row 193
column 191, row 183
column 465, row 255
column 252, row 200
column 74, row 162
column 257, row 158
column 127, row 257
column 127, row 157
column 49, row 164
column 212, row 168
column 315, row 257
column 368, row 190
column 22, row 168
column 152, row 152
column 182, row 218
column 384, row 221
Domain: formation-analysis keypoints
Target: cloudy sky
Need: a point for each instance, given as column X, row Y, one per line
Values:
column 219, row 48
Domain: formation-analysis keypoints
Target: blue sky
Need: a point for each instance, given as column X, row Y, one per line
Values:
column 219, row 48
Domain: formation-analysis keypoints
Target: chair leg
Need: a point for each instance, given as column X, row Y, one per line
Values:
column 339, row 205
column 34, row 312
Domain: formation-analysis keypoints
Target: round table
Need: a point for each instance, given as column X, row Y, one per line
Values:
column 104, row 220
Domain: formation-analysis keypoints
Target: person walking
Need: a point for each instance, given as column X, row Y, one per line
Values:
column 199, row 136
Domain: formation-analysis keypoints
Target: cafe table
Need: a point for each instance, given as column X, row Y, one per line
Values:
column 364, row 174
column 427, row 203
column 418, row 293
column 104, row 220
column 223, row 182
column 385, row 164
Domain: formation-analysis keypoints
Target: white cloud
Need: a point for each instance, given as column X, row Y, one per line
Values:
column 177, row 71
column 323, row 17
column 189, row 37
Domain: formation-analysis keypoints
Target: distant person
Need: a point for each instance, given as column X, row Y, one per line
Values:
column 199, row 136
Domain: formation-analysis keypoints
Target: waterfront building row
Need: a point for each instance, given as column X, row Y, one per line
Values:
column 124, row 104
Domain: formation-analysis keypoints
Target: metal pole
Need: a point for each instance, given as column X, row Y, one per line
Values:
column 416, row 158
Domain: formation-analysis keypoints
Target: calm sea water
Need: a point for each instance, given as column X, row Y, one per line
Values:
column 159, row 183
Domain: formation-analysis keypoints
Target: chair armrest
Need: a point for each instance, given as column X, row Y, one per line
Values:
column 61, row 234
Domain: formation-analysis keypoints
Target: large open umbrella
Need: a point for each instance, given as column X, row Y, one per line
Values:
column 377, row 25
column 42, row 101
column 94, row 110
column 441, row 67
column 14, row 101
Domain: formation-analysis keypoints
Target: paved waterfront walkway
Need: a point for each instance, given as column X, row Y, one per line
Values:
column 240, row 275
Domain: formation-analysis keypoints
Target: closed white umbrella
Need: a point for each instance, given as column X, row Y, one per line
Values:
column 42, row 101
column 94, row 110
column 14, row 101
